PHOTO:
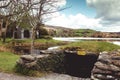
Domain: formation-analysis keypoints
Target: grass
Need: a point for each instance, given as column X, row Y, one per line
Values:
column 84, row 32
column 8, row 61
column 94, row 46
column 37, row 41
column 8, row 65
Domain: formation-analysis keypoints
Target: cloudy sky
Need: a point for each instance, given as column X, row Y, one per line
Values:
column 100, row 15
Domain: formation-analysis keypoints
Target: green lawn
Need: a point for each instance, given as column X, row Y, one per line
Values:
column 94, row 46
column 8, row 61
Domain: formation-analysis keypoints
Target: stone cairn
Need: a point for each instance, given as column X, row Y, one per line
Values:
column 107, row 66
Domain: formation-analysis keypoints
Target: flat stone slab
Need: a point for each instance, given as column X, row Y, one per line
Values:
column 28, row 57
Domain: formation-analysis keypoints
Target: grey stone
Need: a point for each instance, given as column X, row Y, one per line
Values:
column 102, row 66
column 114, row 68
column 115, row 57
column 28, row 58
column 32, row 64
column 116, row 63
column 99, row 76
column 107, row 67
column 41, row 56
column 99, row 71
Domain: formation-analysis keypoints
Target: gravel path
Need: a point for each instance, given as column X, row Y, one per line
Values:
column 54, row 76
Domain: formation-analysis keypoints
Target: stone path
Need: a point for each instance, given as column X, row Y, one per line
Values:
column 54, row 76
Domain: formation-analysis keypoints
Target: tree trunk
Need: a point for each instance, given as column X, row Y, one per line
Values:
column 4, row 37
column 13, row 35
column 5, row 31
column 33, row 41
column 0, row 30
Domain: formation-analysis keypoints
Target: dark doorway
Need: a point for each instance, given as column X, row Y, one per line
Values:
column 26, row 34
column 78, row 65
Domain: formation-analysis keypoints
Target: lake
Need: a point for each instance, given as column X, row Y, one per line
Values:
column 74, row 39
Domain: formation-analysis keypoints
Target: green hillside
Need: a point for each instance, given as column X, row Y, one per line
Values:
column 84, row 32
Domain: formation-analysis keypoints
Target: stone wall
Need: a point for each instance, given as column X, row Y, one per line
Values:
column 52, row 61
column 61, row 62
column 107, row 66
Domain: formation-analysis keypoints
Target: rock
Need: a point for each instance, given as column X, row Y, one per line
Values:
column 103, row 56
column 41, row 56
column 102, row 66
column 116, row 63
column 20, row 61
column 99, row 76
column 45, row 52
column 115, row 57
column 28, row 58
column 110, row 77
column 32, row 64
column 99, row 71
column 114, row 68
column 117, row 74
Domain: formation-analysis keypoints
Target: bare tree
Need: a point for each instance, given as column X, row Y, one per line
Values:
column 10, row 11
column 39, row 11
column 6, row 10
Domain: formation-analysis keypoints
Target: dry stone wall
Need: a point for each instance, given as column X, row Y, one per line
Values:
column 107, row 67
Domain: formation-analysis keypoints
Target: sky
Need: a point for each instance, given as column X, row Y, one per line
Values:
column 100, row 15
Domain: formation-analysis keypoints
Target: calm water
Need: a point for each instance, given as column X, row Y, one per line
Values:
column 112, row 40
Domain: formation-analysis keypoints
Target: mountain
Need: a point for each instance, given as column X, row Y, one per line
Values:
column 57, row 31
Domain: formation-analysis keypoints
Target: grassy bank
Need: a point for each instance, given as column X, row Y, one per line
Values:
column 94, row 46
column 19, row 45
column 37, row 40
column 8, row 65
column 8, row 61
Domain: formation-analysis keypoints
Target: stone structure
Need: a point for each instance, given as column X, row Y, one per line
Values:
column 107, row 66
column 20, row 33
column 31, row 60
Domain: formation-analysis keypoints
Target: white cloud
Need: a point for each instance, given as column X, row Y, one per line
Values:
column 108, row 11
column 61, row 3
column 74, row 21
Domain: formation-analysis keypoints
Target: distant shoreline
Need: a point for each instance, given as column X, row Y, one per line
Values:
column 85, row 38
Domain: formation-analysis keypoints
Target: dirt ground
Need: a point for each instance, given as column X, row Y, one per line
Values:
column 54, row 76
